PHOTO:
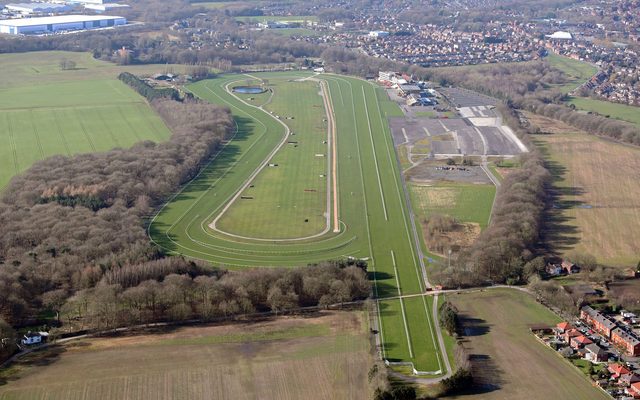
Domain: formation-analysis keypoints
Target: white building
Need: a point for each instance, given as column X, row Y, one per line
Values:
column 38, row 8
column 60, row 23
column 378, row 34
column 104, row 7
column 560, row 35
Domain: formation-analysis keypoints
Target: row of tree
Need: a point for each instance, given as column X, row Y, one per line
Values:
column 592, row 123
column 147, row 91
column 180, row 290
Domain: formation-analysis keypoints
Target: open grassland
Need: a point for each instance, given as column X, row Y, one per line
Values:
column 598, row 206
column 508, row 360
column 613, row 110
column 578, row 72
column 373, row 210
column 325, row 357
column 288, row 200
column 469, row 203
column 45, row 111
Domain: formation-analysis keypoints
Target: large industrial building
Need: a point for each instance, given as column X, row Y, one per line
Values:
column 60, row 23
column 38, row 8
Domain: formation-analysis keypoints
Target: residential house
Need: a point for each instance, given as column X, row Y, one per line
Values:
column 626, row 340
column 579, row 342
column 569, row 268
column 634, row 390
column 617, row 370
column 562, row 327
column 570, row 334
column 628, row 379
column 598, row 321
column 595, row 353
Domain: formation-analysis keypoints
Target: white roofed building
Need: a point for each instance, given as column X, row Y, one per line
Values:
column 60, row 23
column 560, row 35
column 38, row 8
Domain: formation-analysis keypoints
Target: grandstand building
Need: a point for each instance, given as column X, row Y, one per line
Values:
column 60, row 23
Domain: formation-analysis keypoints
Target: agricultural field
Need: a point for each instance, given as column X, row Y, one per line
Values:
column 369, row 212
column 507, row 359
column 46, row 111
column 597, row 210
column 322, row 357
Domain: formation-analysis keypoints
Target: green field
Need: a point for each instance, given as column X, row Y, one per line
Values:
column 313, row 357
column 290, row 200
column 509, row 362
column 464, row 201
column 577, row 71
column 373, row 211
column 613, row 110
column 45, row 111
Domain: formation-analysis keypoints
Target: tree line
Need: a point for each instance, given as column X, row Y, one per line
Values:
column 174, row 289
column 147, row 91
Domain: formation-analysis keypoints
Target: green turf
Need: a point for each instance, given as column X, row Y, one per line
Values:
column 290, row 200
column 577, row 71
column 614, row 110
column 372, row 206
column 45, row 111
column 465, row 202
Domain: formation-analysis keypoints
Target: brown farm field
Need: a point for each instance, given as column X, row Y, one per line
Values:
column 508, row 361
column 597, row 204
column 324, row 357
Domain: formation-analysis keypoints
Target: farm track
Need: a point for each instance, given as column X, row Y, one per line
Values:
column 374, row 211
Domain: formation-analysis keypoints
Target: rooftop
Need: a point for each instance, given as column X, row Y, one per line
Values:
column 59, row 19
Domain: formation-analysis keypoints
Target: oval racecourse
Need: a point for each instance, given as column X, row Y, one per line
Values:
column 310, row 175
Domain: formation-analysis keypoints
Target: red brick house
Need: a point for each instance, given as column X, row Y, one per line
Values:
column 617, row 370
column 571, row 333
column 599, row 322
column 579, row 342
column 563, row 326
column 626, row 340
column 634, row 390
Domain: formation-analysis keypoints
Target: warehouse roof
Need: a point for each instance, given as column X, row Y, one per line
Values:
column 32, row 6
column 59, row 19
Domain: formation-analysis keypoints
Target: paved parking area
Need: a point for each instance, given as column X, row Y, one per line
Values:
column 453, row 136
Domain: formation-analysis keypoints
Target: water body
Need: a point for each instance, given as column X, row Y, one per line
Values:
column 248, row 89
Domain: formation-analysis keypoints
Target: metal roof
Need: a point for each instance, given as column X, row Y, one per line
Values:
column 60, row 19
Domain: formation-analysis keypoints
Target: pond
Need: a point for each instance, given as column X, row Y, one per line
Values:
column 248, row 89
